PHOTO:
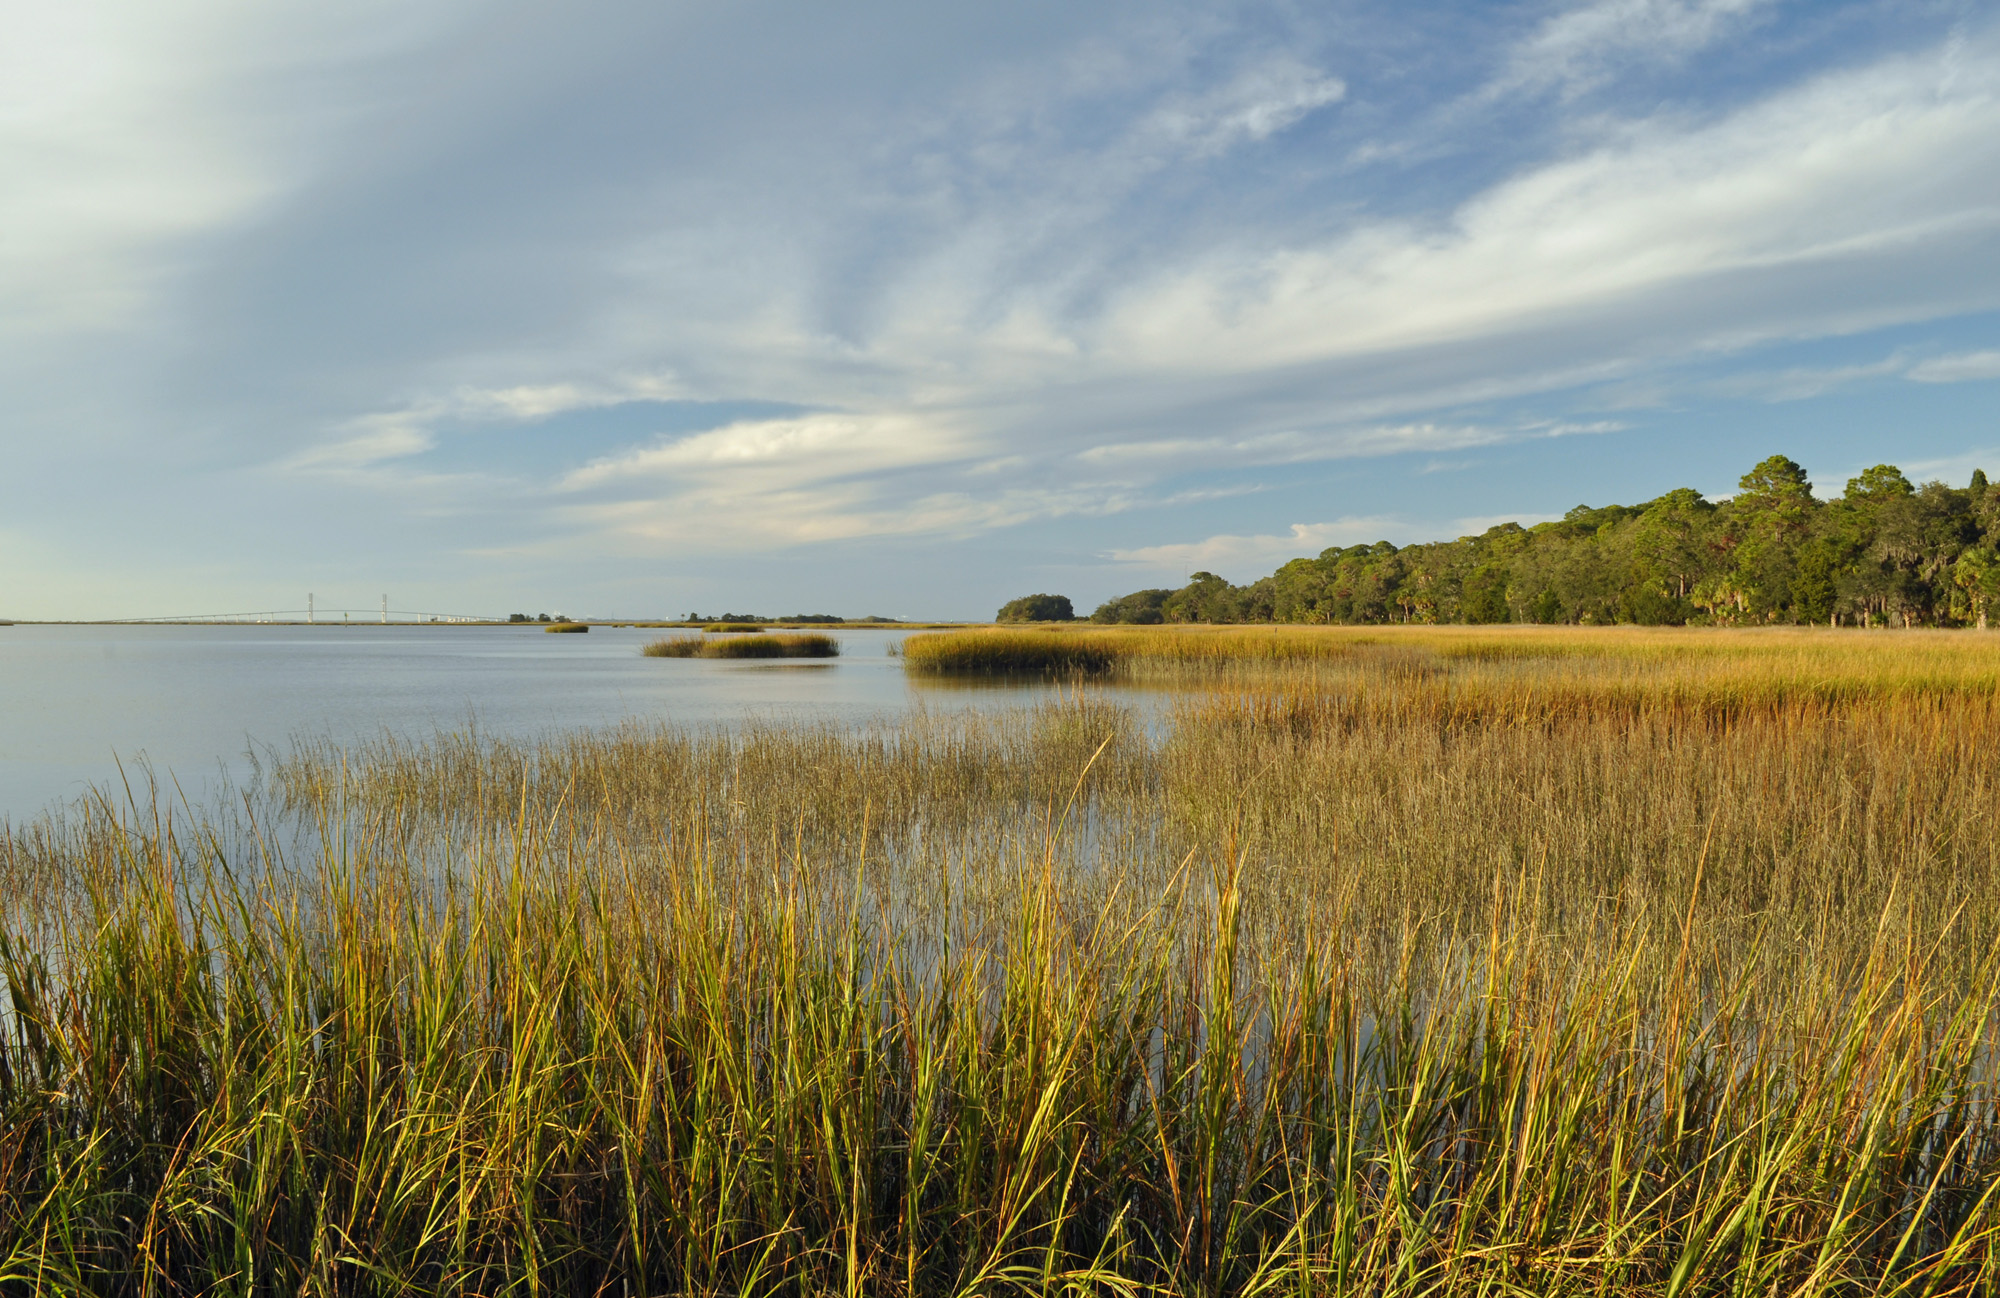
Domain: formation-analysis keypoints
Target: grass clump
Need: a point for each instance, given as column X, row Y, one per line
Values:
column 996, row 653
column 807, row 644
column 733, row 627
column 674, row 646
column 566, row 628
column 804, row 645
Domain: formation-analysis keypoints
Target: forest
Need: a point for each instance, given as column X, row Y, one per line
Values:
column 1884, row 553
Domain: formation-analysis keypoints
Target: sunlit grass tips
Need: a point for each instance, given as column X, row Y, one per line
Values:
column 1000, row 653
column 805, row 645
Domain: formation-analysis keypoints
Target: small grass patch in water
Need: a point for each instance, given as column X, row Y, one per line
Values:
column 806, row 645
column 1000, row 653
column 674, row 646
column 566, row 628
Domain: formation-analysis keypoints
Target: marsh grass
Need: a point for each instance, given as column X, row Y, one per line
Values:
column 562, row 628
column 1008, row 653
column 1326, row 985
column 766, row 645
column 733, row 627
column 1481, row 667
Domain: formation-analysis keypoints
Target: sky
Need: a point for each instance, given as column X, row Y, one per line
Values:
column 906, row 309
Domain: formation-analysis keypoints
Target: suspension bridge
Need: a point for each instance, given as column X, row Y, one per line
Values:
column 314, row 614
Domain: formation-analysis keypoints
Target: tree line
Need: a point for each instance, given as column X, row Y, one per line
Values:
column 1884, row 553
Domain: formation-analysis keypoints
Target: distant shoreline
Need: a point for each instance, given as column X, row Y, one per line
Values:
column 441, row 625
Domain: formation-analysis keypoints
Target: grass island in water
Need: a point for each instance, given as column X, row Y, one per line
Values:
column 763, row 644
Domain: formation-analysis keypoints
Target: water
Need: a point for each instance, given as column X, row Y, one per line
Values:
column 192, row 702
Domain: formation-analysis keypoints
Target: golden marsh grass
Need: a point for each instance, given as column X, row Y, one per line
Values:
column 764, row 645
column 1474, row 665
column 1411, row 969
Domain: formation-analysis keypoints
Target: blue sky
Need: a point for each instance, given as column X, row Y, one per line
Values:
column 640, row 308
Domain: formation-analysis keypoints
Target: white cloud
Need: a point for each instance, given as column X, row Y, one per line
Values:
column 1847, row 170
column 1581, row 47
column 371, row 441
column 1254, row 556
column 1952, row 469
column 362, row 444
column 127, row 130
column 1478, row 523
column 1294, row 447
column 1965, row 367
column 785, row 452
column 1802, row 383
column 767, row 483
column 1257, row 104
column 1805, row 382
column 1244, row 558
column 539, row 401
column 726, row 517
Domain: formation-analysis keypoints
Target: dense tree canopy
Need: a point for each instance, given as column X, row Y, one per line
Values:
column 1884, row 553
column 1037, row 608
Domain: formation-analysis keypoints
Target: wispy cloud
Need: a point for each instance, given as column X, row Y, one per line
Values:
column 1294, row 447
column 362, row 444
column 1244, row 557
column 1581, row 48
column 539, row 401
column 724, row 517
column 1951, row 468
column 792, row 450
column 1965, row 367
column 1801, row 383
column 819, row 477
column 1262, row 100
column 1845, row 172
column 1478, row 523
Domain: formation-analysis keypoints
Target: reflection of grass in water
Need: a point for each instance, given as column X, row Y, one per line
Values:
column 1351, row 990
column 807, row 645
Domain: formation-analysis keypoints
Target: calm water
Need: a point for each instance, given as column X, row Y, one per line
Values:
column 192, row 701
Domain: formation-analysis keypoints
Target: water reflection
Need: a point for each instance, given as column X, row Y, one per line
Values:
column 196, row 703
